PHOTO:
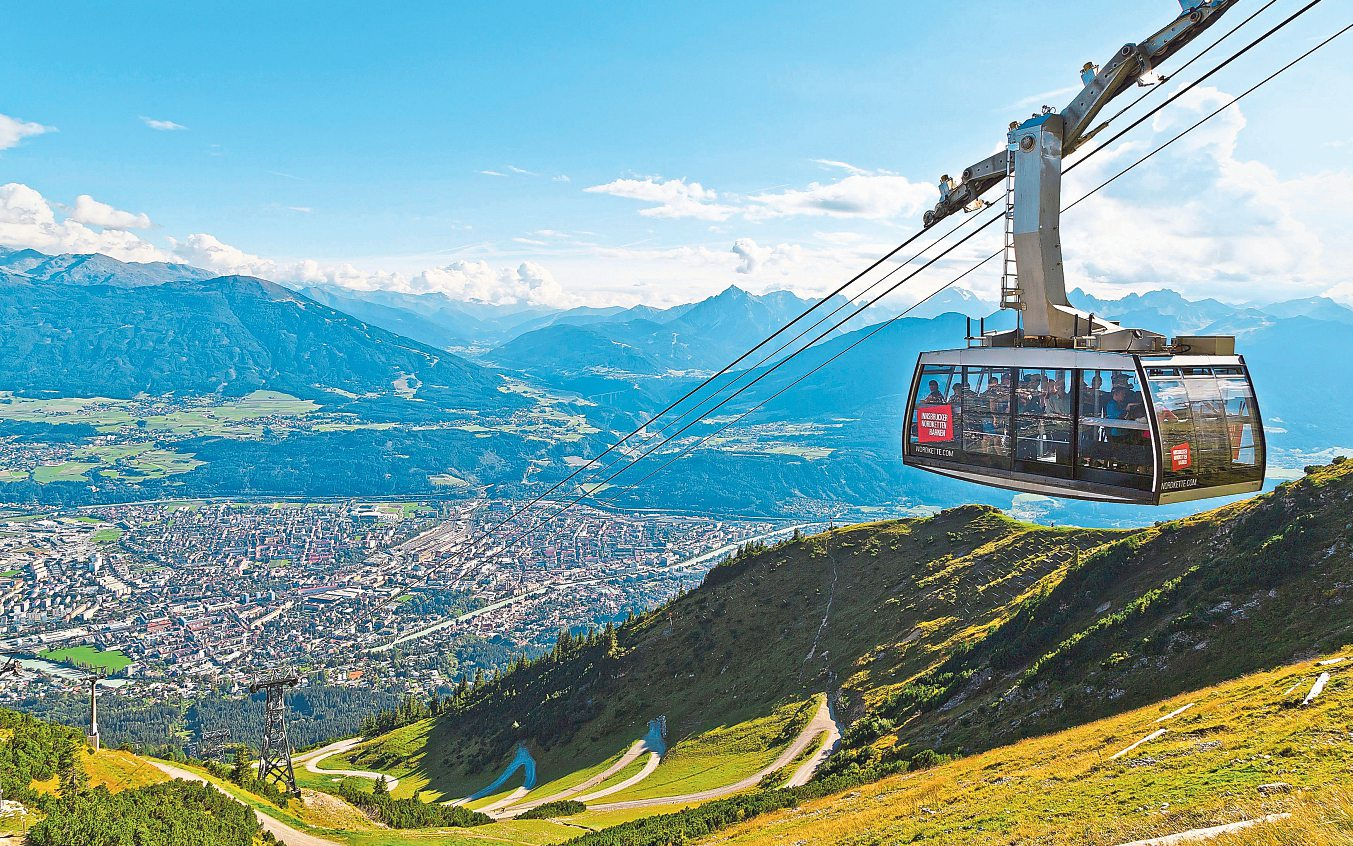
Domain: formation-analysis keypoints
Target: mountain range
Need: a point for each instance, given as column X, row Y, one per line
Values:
column 419, row 365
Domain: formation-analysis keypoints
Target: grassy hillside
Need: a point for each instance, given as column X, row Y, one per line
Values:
column 850, row 610
column 1066, row 788
column 231, row 335
column 1161, row 610
column 959, row 633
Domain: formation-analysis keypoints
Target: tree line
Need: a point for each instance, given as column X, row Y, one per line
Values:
column 176, row 813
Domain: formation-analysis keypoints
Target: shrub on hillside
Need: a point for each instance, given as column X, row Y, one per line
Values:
column 410, row 813
column 562, row 808
column 176, row 813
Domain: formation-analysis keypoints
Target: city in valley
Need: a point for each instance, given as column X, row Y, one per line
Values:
column 186, row 598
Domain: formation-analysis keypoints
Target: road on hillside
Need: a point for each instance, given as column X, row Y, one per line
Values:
column 652, row 743
column 312, row 758
column 821, row 723
column 275, row 827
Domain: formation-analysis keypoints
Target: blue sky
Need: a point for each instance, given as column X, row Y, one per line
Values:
column 595, row 152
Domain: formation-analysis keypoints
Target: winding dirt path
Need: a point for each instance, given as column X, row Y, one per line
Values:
column 312, row 758
column 821, row 723
column 649, row 766
column 522, row 760
column 829, row 742
column 283, row 832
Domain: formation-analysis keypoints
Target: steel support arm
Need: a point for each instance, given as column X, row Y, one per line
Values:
column 1102, row 85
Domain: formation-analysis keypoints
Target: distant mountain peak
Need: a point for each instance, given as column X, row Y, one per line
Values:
column 733, row 292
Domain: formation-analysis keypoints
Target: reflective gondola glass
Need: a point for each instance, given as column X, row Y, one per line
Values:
column 1117, row 427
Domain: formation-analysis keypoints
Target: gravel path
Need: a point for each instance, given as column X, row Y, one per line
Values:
column 820, row 724
column 312, row 758
column 275, row 827
column 808, row 767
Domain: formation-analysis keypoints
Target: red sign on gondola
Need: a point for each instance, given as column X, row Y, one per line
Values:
column 934, row 424
column 1181, row 457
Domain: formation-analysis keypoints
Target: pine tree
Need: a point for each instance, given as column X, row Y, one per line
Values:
column 70, row 772
column 239, row 764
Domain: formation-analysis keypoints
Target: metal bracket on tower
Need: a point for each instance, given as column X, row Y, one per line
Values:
column 274, row 760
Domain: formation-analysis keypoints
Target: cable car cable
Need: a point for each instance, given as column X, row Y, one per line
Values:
column 850, row 301
column 953, row 281
column 1187, row 88
column 873, row 266
column 873, row 285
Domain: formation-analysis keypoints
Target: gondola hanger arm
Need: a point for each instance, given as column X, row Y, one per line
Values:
column 1132, row 64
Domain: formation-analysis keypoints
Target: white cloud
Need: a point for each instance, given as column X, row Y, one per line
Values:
column 750, row 253
column 528, row 282
column 13, row 130
column 671, row 198
column 27, row 219
column 300, row 209
column 874, row 196
column 521, row 171
column 162, row 125
column 490, row 173
column 209, row 252
column 1201, row 220
column 91, row 211
column 846, row 166
column 1055, row 98
column 860, row 194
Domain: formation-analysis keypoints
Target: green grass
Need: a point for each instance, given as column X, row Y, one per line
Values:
column 721, row 756
column 112, row 535
column 447, row 480
column 67, row 471
column 229, row 417
column 9, row 574
column 351, row 827
column 89, row 657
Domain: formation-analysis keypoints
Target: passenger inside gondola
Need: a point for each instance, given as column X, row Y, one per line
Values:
column 1093, row 397
column 1056, row 402
column 935, row 396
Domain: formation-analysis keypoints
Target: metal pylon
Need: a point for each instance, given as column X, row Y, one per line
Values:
column 274, row 760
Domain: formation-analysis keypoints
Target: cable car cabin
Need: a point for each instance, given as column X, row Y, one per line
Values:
column 1137, row 428
column 1065, row 403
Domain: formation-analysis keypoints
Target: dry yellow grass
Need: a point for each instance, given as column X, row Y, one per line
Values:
column 118, row 770
column 1325, row 819
column 1063, row 788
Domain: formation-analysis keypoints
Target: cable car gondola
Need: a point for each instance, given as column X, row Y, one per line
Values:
column 1069, row 404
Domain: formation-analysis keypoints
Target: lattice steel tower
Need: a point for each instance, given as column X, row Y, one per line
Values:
column 274, row 760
